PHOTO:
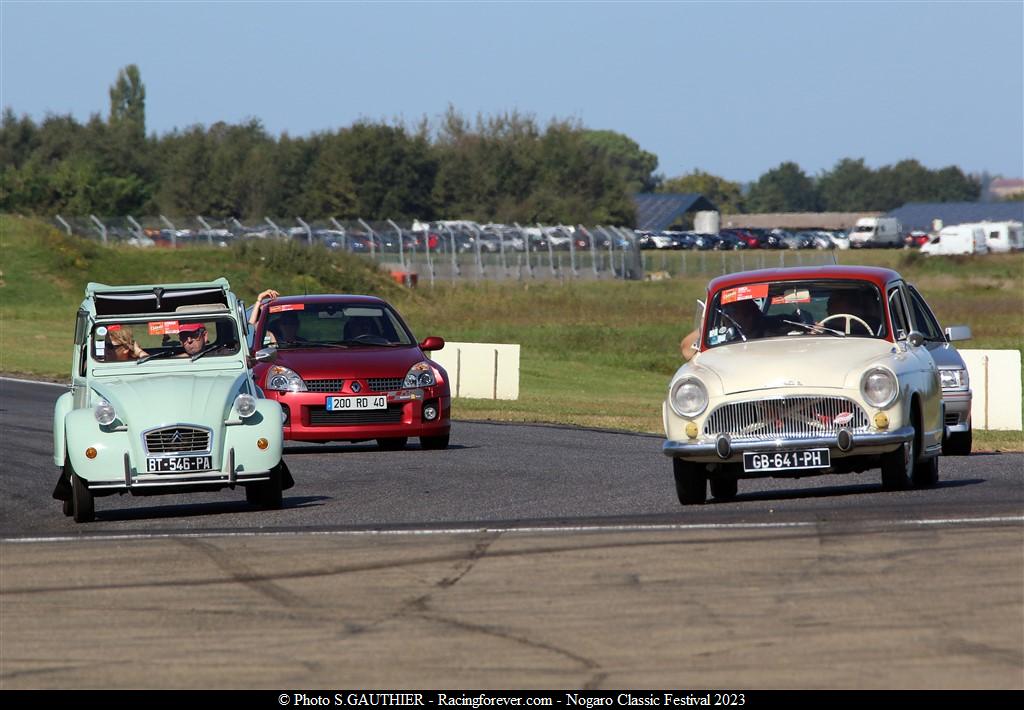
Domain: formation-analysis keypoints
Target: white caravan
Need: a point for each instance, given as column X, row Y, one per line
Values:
column 1002, row 236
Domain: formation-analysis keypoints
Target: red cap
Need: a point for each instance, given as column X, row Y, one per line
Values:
column 190, row 327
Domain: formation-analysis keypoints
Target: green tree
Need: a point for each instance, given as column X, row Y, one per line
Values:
column 783, row 189
column 634, row 165
column 128, row 102
column 726, row 195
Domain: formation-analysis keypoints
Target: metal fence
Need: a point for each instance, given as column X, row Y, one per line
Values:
column 452, row 250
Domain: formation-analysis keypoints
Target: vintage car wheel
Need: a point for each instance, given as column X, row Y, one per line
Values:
column 396, row 444
column 82, row 501
column 434, row 442
column 691, row 483
column 68, row 506
column 958, row 444
column 724, row 487
column 253, row 493
column 270, row 493
column 926, row 472
column 898, row 466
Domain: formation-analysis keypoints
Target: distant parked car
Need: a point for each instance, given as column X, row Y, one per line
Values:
column 916, row 238
column 349, row 369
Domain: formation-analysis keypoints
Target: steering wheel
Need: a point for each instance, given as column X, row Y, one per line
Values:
column 850, row 320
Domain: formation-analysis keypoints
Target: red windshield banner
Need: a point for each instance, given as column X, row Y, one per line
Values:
column 744, row 293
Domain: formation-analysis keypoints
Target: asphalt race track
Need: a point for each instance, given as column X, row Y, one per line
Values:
column 523, row 556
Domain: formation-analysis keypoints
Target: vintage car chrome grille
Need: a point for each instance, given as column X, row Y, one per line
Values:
column 384, row 384
column 797, row 416
column 176, row 439
column 319, row 416
column 324, row 385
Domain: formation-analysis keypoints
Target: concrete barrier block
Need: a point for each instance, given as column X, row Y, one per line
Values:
column 996, row 388
column 481, row 370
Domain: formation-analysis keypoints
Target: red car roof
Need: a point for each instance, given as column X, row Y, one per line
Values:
column 876, row 275
column 327, row 298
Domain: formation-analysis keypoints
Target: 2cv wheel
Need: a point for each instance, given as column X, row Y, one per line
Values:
column 82, row 501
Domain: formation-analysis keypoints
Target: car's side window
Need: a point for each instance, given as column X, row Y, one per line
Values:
column 924, row 321
column 900, row 323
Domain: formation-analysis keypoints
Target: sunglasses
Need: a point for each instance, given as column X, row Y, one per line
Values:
column 195, row 335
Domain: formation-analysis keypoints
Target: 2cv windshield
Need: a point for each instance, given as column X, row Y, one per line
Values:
column 141, row 341
column 795, row 309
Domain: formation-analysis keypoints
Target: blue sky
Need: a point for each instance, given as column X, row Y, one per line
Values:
column 733, row 88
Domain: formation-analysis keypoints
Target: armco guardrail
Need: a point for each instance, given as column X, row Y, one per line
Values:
column 481, row 370
column 996, row 388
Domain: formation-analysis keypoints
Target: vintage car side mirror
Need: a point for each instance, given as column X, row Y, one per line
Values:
column 958, row 332
column 915, row 338
column 266, row 355
column 432, row 343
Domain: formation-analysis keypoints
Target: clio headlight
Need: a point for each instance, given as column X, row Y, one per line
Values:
column 879, row 387
column 688, row 397
column 104, row 412
column 954, row 379
column 245, row 405
column 281, row 379
column 419, row 375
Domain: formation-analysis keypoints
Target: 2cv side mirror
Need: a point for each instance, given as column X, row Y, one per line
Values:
column 264, row 355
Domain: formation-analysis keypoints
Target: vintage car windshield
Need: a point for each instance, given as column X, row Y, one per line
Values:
column 795, row 309
column 143, row 341
column 298, row 325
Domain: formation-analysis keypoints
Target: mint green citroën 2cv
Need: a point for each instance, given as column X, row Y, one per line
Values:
column 162, row 400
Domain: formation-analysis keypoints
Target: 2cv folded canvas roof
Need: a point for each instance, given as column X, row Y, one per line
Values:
column 160, row 298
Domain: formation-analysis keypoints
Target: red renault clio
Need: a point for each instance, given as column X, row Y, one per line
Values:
column 349, row 369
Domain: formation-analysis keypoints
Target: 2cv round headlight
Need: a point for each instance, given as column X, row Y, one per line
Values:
column 245, row 405
column 104, row 413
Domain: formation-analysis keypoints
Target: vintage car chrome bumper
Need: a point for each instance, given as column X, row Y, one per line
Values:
column 227, row 477
column 858, row 441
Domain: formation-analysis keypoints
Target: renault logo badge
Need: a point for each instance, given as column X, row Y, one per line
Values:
column 356, row 387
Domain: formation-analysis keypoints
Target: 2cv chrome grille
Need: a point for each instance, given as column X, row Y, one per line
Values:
column 177, row 439
column 782, row 417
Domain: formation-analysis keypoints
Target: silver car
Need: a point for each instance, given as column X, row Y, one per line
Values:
column 956, row 384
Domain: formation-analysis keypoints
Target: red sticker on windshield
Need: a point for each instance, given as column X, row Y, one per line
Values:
column 163, row 327
column 744, row 293
column 288, row 307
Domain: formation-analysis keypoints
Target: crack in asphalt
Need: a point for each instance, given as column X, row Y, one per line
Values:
column 242, row 574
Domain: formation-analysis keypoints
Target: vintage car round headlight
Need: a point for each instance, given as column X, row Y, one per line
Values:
column 281, row 379
column 688, row 397
column 245, row 405
column 104, row 412
column 879, row 387
column 419, row 375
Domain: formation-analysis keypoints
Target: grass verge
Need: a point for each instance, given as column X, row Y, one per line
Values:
column 594, row 353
